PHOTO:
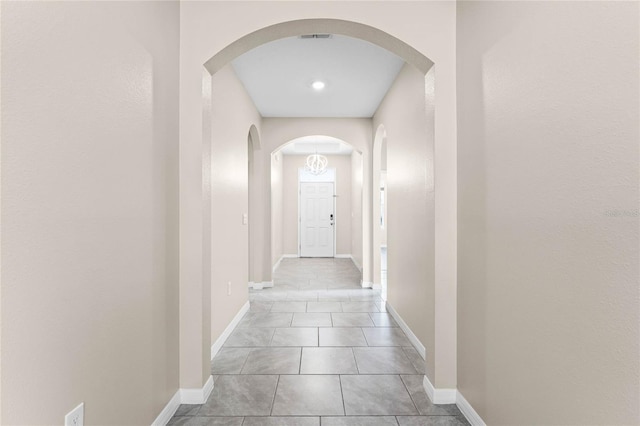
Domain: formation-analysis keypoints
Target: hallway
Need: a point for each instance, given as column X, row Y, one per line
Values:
column 144, row 167
column 313, row 349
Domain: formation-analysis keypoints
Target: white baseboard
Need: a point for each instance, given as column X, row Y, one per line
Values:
column 438, row 396
column 366, row 284
column 377, row 286
column 197, row 396
column 275, row 266
column 260, row 286
column 227, row 331
column 412, row 337
column 168, row 411
column 428, row 387
column 467, row 410
column 184, row 396
column 359, row 266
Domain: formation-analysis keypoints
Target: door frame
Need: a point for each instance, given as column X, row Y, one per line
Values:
column 305, row 178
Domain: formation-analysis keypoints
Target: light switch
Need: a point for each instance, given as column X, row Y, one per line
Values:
column 245, row 218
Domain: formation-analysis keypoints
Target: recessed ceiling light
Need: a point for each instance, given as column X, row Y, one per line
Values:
column 318, row 85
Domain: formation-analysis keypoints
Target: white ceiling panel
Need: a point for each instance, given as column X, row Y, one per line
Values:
column 278, row 76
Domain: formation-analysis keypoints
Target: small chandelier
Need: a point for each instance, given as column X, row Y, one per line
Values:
column 316, row 164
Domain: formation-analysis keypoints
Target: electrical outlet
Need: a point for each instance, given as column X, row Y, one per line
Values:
column 245, row 218
column 229, row 289
column 75, row 417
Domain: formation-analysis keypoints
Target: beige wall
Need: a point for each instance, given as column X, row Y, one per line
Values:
column 89, row 210
column 357, row 189
column 252, row 189
column 290, row 204
column 407, row 116
column 232, row 116
column 342, row 164
column 260, row 216
column 199, row 338
column 277, row 208
column 548, row 160
column 259, row 189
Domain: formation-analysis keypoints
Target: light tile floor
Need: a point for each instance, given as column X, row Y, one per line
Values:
column 317, row 349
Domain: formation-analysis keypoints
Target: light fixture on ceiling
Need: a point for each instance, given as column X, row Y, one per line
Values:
column 316, row 164
column 318, row 85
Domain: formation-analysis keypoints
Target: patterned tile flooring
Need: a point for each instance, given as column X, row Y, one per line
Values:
column 317, row 349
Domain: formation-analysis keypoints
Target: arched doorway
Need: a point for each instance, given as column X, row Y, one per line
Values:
column 336, row 26
column 344, row 173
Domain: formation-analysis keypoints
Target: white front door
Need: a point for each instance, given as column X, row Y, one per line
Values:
column 316, row 219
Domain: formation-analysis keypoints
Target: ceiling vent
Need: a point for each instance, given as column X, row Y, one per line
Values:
column 307, row 36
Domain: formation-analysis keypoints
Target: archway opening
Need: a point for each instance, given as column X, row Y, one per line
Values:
column 373, row 35
column 342, row 226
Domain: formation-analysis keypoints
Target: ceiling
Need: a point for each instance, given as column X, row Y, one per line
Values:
column 278, row 76
column 321, row 144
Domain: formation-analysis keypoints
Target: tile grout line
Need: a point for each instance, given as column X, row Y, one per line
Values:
column 365, row 337
column 344, row 410
column 410, row 396
column 273, row 401
column 272, row 336
column 246, row 359
column 355, row 359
